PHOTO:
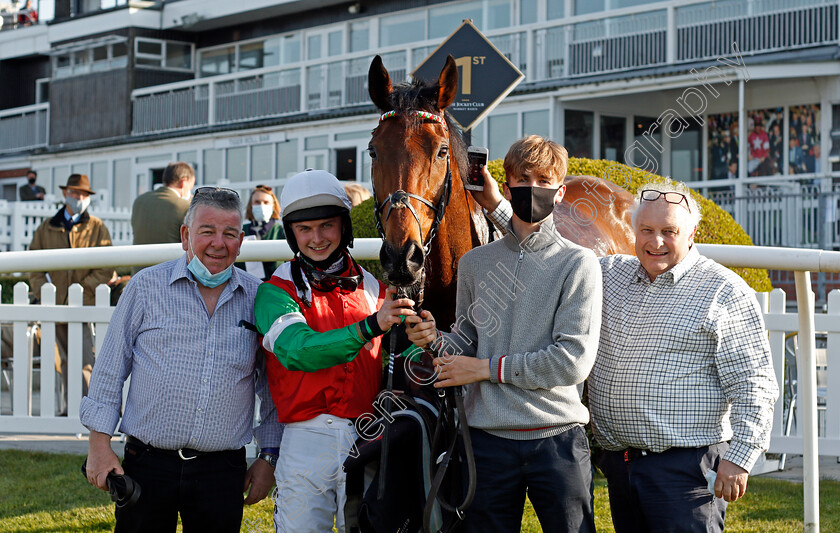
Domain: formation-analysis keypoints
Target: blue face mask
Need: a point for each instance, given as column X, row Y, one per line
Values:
column 203, row 275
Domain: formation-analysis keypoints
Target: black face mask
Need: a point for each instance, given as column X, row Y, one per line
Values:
column 31, row 181
column 532, row 204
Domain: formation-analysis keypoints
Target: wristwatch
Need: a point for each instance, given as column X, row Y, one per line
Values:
column 269, row 458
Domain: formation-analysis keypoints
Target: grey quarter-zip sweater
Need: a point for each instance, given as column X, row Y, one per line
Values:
column 532, row 309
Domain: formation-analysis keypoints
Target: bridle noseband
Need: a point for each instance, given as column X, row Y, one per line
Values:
column 400, row 199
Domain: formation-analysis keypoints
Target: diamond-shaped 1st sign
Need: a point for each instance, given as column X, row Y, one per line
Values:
column 485, row 75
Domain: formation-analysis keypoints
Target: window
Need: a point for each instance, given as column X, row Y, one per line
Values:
column 527, row 11
column 122, row 178
column 359, row 36
column 173, row 55
column 612, row 138
column 313, row 47
column 212, row 168
column 578, row 133
column 261, row 160
column 99, row 180
column 237, row 161
column 335, row 45
column 251, row 56
column 291, row 48
column 403, row 28
column 217, row 61
column 316, row 143
column 501, row 133
column 535, row 123
column 287, row 158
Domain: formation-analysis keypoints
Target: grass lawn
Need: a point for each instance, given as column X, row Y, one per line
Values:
column 42, row 492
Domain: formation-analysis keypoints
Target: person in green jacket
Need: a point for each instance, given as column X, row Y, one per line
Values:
column 263, row 215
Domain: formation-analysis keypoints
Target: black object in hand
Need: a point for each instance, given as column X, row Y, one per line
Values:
column 124, row 491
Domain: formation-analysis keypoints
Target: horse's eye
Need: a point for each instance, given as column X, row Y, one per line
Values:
column 444, row 151
column 372, row 152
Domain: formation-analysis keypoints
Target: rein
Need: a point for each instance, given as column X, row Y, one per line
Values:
column 401, row 199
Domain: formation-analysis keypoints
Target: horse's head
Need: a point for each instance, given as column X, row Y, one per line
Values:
column 415, row 151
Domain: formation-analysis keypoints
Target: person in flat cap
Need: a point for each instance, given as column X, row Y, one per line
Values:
column 72, row 227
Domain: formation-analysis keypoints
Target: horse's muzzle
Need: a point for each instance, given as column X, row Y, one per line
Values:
column 403, row 265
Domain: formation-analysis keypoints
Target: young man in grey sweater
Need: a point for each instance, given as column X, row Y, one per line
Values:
column 528, row 316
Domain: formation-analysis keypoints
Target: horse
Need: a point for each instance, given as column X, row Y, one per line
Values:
column 422, row 211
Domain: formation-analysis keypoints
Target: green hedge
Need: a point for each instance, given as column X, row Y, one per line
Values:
column 364, row 227
column 717, row 226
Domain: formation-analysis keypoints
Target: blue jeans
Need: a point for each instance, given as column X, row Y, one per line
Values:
column 664, row 492
column 555, row 472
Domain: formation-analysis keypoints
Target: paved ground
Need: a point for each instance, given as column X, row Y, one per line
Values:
column 829, row 467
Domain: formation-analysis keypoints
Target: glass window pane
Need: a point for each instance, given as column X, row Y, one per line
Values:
column 62, row 61
column 291, row 48
column 582, row 7
column 218, row 61
column 211, row 171
column 765, row 140
column 122, row 183
column 403, row 28
column 147, row 61
column 578, row 133
column 178, row 55
column 81, row 57
column 59, row 177
column 251, row 56
column 287, row 159
column 149, row 47
column 335, row 42
column 313, row 47
column 119, row 50
column 261, row 156
column 100, row 53
column 271, row 52
column 315, row 161
column 535, row 123
column 359, row 36
column 527, row 11
column 236, row 164
column 502, row 132
column 99, row 180
column 445, row 19
column 498, row 14
column 188, row 157
column 646, row 149
column 612, row 138
column 317, row 142
column 686, row 152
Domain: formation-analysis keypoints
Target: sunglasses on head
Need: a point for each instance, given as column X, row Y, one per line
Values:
column 209, row 189
column 651, row 195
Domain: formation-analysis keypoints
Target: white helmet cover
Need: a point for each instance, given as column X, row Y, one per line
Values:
column 312, row 188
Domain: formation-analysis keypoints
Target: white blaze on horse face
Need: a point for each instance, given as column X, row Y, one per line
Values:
column 664, row 235
column 318, row 239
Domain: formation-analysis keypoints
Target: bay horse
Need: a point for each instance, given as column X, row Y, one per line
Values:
column 424, row 215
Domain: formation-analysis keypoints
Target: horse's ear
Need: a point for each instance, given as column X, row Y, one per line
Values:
column 448, row 83
column 379, row 85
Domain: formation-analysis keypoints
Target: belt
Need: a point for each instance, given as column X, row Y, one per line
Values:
column 185, row 454
column 632, row 454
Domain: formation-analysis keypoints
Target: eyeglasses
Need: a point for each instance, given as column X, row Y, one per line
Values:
column 212, row 188
column 651, row 195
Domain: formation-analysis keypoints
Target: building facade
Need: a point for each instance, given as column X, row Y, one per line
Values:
column 739, row 98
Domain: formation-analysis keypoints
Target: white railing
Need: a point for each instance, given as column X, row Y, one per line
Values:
column 644, row 36
column 24, row 128
column 793, row 215
column 19, row 220
column 18, row 412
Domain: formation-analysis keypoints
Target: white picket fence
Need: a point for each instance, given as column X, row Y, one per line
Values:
column 19, row 220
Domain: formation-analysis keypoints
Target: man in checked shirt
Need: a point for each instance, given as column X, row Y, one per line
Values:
column 683, row 385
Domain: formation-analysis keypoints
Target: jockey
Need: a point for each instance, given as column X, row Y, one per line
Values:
column 322, row 317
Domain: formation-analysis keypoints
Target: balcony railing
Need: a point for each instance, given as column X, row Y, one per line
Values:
column 652, row 35
column 24, row 128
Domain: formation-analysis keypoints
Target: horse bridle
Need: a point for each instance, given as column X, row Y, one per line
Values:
column 400, row 199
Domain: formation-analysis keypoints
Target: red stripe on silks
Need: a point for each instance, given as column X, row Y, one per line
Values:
column 500, row 368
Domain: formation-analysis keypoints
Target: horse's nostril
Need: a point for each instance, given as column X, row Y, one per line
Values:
column 414, row 256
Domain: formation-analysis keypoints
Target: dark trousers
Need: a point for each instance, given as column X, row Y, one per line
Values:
column 664, row 492
column 555, row 472
column 206, row 491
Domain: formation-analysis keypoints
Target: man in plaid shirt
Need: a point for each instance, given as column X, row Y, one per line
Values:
column 682, row 391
